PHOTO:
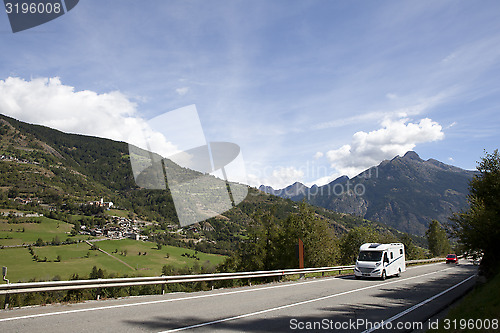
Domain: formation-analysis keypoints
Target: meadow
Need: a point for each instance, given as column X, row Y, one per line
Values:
column 126, row 257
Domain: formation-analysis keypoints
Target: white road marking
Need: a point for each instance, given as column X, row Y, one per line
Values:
column 182, row 299
column 295, row 304
column 401, row 314
column 164, row 300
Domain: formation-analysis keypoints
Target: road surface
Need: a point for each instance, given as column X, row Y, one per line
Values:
column 330, row 304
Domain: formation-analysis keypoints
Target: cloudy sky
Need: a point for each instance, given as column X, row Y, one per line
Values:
column 310, row 90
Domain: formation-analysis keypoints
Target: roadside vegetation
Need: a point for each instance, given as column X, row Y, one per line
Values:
column 477, row 230
column 482, row 305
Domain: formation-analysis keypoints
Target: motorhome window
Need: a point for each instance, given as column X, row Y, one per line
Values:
column 392, row 255
column 370, row 256
column 400, row 251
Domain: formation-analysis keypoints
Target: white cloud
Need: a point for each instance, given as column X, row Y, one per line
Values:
column 413, row 108
column 182, row 91
column 47, row 101
column 396, row 137
column 318, row 155
column 451, row 125
column 449, row 58
column 277, row 178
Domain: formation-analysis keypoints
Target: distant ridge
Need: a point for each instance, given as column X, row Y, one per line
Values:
column 405, row 193
column 60, row 172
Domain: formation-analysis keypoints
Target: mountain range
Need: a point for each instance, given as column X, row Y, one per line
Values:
column 57, row 171
column 60, row 169
column 405, row 193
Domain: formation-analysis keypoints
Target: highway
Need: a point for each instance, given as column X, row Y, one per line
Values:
column 341, row 304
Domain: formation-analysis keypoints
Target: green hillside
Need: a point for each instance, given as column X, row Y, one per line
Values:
column 58, row 175
column 62, row 171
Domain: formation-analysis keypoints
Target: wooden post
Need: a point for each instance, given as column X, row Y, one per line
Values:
column 301, row 254
column 301, row 257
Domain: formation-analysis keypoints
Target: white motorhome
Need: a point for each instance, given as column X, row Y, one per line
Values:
column 380, row 260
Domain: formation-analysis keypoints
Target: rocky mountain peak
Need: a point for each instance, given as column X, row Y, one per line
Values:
column 411, row 155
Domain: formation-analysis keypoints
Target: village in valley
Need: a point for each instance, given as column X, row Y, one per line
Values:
column 116, row 227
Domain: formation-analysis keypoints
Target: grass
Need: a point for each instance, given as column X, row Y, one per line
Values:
column 482, row 303
column 79, row 259
column 47, row 229
column 22, row 267
column 154, row 259
column 117, row 212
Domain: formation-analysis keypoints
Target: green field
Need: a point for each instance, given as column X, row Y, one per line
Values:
column 117, row 212
column 28, row 232
column 22, row 266
column 154, row 258
column 79, row 258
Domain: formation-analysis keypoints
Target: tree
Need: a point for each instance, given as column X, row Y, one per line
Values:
column 320, row 248
column 438, row 241
column 96, row 273
column 56, row 241
column 350, row 243
column 271, row 242
column 412, row 251
column 256, row 253
column 478, row 228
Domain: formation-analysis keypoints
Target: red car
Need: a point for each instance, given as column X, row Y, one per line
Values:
column 451, row 259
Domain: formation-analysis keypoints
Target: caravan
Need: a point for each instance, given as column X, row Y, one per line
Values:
column 380, row 260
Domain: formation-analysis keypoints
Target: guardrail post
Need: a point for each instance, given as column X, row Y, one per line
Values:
column 6, row 306
column 98, row 293
column 163, row 288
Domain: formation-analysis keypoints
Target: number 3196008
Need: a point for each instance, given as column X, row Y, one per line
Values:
column 33, row 8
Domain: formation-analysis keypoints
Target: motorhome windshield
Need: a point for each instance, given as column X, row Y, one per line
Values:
column 370, row 256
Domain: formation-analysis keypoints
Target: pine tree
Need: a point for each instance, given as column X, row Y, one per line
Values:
column 439, row 244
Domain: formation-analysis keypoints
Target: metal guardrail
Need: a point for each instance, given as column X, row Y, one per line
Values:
column 421, row 261
column 18, row 288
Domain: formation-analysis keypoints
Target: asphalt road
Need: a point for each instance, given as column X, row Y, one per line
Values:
column 330, row 304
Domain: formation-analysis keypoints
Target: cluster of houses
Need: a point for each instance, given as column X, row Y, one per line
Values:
column 120, row 228
column 21, row 214
column 101, row 203
column 15, row 159
column 25, row 201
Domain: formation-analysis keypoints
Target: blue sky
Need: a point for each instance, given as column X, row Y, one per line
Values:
column 310, row 90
